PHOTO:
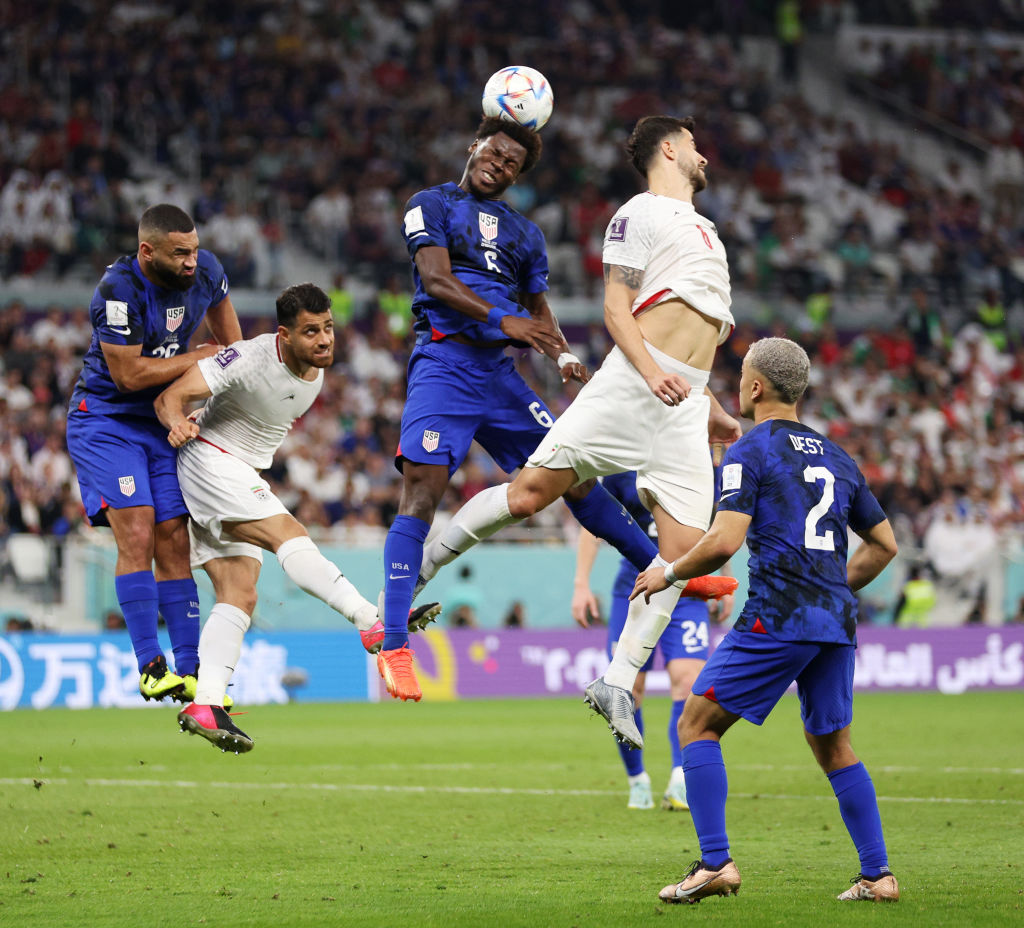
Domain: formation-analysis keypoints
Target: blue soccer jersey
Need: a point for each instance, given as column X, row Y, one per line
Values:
column 494, row 251
column 801, row 491
column 128, row 309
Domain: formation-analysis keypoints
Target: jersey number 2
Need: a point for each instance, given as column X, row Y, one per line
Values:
column 812, row 539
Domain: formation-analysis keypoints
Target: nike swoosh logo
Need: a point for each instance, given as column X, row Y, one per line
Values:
column 689, row 892
column 399, row 576
column 121, row 329
column 727, row 495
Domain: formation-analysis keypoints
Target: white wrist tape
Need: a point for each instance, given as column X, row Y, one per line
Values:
column 566, row 357
column 673, row 580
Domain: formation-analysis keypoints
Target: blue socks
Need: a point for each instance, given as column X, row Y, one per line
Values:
column 602, row 515
column 673, row 732
column 633, row 760
column 137, row 596
column 179, row 605
column 403, row 557
column 706, row 791
column 858, row 806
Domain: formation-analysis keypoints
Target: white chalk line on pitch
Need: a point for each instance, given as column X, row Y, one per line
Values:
column 470, row 790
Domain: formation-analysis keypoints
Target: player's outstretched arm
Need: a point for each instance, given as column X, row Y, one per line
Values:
column 435, row 270
column 172, row 406
column 721, row 542
column 569, row 366
column 871, row 558
column 621, row 286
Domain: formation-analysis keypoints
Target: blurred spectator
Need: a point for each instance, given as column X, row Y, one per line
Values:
column 917, row 600
column 463, row 600
column 516, row 615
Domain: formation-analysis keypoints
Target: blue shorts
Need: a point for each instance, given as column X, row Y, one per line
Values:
column 458, row 394
column 685, row 636
column 124, row 461
column 749, row 672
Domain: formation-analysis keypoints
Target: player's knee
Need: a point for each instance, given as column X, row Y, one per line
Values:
column 526, row 499
column 246, row 599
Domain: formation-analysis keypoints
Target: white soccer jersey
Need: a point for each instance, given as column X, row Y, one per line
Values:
column 256, row 398
column 679, row 252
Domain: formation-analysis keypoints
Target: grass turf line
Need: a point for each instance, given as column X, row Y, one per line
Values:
column 491, row 812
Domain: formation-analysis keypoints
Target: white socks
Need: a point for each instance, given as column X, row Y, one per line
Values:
column 301, row 559
column 644, row 624
column 219, row 646
column 642, row 777
column 484, row 515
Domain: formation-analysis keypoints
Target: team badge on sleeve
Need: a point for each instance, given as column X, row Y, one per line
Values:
column 414, row 221
column 226, row 355
column 617, row 229
column 127, row 485
column 732, row 477
column 430, row 440
column 117, row 312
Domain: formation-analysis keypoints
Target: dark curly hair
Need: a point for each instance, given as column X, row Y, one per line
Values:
column 300, row 297
column 528, row 138
column 649, row 133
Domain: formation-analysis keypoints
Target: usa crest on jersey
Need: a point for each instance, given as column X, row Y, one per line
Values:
column 430, row 440
column 174, row 316
column 488, row 226
column 127, row 485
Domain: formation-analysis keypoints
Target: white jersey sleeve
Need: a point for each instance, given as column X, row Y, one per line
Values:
column 256, row 398
column 628, row 240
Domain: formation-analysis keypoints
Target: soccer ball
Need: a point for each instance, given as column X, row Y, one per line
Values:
column 519, row 94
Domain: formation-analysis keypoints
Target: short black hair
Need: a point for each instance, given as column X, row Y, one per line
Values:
column 528, row 138
column 300, row 297
column 649, row 133
column 162, row 219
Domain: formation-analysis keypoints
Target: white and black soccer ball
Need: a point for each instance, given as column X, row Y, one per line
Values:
column 519, row 94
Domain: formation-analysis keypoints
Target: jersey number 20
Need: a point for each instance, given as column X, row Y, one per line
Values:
column 812, row 539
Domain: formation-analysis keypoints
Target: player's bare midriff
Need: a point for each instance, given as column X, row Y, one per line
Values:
column 681, row 332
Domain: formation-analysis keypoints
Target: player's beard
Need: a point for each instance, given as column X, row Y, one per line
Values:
column 170, row 279
column 698, row 180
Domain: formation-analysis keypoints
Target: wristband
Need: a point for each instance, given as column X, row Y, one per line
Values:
column 566, row 357
column 672, row 580
column 495, row 315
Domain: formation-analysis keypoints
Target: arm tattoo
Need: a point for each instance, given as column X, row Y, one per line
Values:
column 630, row 276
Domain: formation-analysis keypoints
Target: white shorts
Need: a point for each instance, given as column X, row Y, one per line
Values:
column 219, row 487
column 616, row 424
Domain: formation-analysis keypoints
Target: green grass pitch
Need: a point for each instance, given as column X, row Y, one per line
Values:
column 498, row 813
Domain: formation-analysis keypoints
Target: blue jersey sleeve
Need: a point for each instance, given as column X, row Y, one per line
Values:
column 534, row 275
column 865, row 511
column 117, row 309
column 426, row 221
column 741, row 476
column 215, row 278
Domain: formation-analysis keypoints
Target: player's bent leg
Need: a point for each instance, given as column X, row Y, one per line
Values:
column 480, row 517
column 605, row 517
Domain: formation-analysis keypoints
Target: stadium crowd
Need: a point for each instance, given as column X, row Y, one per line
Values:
column 269, row 127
